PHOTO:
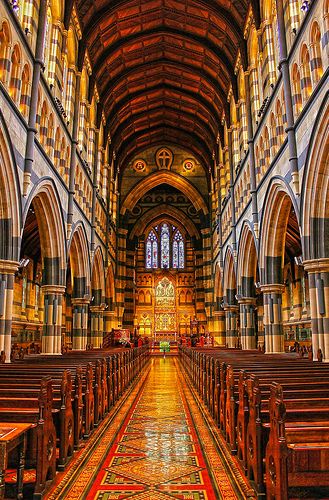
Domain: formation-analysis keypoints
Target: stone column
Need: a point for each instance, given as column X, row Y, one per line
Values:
column 318, row 278
column 274, row 340
column 79, row 323
column 284, row 68
column 247, row 322
column 251, row 145
column 110, row 320
column 52, row 319
column 231, row 316
column 73, row 157
column 7, row 277
column 38, row 64
column 219, row 327
column 232, row 192
column 97, row 325
column 95, row 166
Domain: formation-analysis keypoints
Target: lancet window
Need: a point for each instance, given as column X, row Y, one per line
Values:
column 165, row 248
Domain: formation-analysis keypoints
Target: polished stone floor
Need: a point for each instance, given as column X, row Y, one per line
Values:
column 157, row 447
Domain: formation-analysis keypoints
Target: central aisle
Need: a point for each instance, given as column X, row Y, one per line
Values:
column 158, row 448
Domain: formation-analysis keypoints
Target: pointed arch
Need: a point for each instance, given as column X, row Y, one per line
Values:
column 279, row 203
column 10, row 196
column 160, row 211
column 79, row 261
column 164, row 177
column 218, row 286
column 110, row 287
column 247, row 261
column 229, row 277
column 49, row 215
column 98, row 277
column 315, row 214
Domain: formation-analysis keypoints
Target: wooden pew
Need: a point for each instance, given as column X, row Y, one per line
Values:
column 41, row 447
column 21, row 392
column 297, row 453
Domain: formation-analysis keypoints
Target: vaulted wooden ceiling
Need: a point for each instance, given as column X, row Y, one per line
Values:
column 163, row 68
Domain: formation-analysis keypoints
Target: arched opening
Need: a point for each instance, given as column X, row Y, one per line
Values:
column 315, row 224
column 296, row 91
column 77, row 295
column 5, row 41
column 97, row 303
column 25, row 92
column 306, row 81
column 230, row 302
column 284, row 282
column 39, row 282
column 15, row 75
column 250, row 296
column 316, row 56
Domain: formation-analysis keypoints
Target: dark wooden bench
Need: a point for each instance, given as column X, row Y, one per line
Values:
column 297, row 452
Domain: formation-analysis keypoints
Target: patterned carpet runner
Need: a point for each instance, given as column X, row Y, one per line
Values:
column 157, row 447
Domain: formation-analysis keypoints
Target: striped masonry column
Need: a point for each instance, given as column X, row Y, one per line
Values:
column 231, row 316
column 91, row 147
column 269, row 68
column 318, row 278
column 70, row 93
column 254, row 92
column 5, row 64
column 207, row 273
column 97, row 325
column 121, row 272
column 52, row 319
column 247, row 322
column 109, row 320
column 273, row 328
column 285, row 71
column 33, row 111
column 55, row 59
column 129, row 290
column 30, row 16
column 243, row 129
column 7, row 278
column 199, row 286
column 219, row 327
column 81, row 133
column 80, row 323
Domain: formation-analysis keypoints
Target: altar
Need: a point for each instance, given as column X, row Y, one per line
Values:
column 165, row 336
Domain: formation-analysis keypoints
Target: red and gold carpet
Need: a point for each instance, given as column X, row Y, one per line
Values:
column 156, row 447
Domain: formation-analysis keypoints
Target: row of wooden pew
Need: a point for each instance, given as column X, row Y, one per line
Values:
column 64, row 397
column 272, row 409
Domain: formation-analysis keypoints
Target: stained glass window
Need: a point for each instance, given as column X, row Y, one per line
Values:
column 178, row 251
column 151, row 251
column 165, row 246
column 175, row 254
column 181, row 255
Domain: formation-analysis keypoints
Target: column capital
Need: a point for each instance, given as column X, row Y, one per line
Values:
column 53, row 289
column 97, row 309
column 221, row 313
column 273, row 288
column 316, row 265
column 109, row 314
column 8, row 266
column 231, row 308
column 80, row 301
column 247, row 301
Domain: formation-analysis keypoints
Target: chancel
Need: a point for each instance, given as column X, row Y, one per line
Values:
column 164, row 249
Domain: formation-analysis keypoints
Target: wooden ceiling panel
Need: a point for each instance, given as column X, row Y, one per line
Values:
column 163, row 66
